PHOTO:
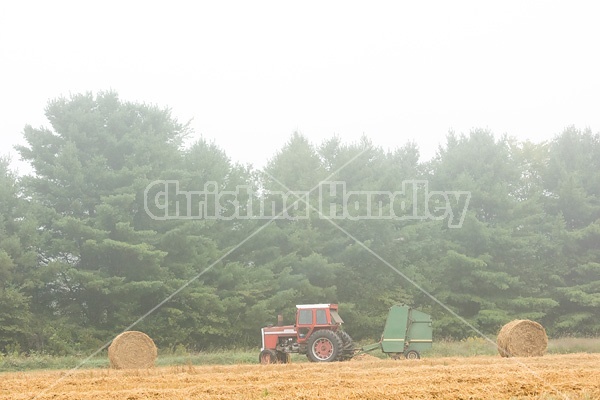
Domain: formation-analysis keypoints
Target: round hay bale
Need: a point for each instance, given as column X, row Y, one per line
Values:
column 522, row 338
column 132, row 350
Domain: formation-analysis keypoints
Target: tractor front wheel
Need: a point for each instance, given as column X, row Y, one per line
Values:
column 324, row 346
column 267, row 357
column 283, row 357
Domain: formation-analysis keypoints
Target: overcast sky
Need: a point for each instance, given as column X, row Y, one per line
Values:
column 249, row 73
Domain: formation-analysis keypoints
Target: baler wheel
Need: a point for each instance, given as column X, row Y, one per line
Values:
column 324, row 346
column 267, row 357
column 412, row 355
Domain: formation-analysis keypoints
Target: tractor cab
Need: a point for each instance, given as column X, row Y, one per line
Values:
column 311, row 317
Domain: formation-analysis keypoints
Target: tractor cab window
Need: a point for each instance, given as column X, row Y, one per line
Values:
column 321, row 317
column 305, row 317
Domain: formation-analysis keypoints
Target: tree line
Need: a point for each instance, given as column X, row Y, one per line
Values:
column 82, row 258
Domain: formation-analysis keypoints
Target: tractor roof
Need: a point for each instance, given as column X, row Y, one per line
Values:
column 334, row 306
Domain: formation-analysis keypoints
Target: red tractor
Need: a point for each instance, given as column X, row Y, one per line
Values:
column 317, row 333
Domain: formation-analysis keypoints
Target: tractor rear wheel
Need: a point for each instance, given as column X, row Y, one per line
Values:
column 346, row 339
column 324, row 346
column 348, row 346
column 267, row 357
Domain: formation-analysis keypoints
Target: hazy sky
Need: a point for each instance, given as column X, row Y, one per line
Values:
column 251, row 73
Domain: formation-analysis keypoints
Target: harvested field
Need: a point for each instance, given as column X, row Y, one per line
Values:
column 363, row 357
column 573, row 376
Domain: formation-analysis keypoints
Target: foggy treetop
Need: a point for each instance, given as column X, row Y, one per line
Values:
column 81, row 258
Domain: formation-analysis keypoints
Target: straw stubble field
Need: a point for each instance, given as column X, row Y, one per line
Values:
column 573, row 376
